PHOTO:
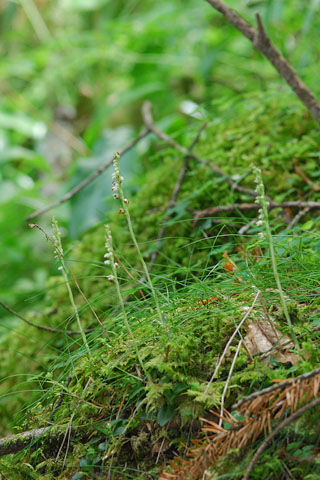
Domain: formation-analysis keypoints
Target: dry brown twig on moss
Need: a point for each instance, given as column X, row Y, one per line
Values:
column 292, row 396
column 292, row 418
column 262, row 42
column 246, row 207
column 89, row 179
column 175, row 193
column 41, row 327
column 149, row 122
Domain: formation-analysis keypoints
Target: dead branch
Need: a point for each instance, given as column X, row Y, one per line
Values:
column 314, row 186
column 296, row 219
column 41, row 327
column 61, row 397
column 271, row 436
column 262, row 42
column 89, row 179
column 272, row 388
column 175, row 194
column 149, row 122
column 266, row 406
column 245, row 207
column 15, row 443
column 243, row 230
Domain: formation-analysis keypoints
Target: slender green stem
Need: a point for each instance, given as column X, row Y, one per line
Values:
column 117, row 285
column 264, row 219
column 125, row 210
column 63, row 268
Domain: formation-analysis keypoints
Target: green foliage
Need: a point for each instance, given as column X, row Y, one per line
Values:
column 84, row 68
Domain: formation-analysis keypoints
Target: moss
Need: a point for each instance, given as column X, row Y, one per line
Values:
column 201, row 306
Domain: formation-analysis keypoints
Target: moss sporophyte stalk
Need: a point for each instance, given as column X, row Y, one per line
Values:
column 118, row 194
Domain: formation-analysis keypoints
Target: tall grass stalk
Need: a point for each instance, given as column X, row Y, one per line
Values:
column 117, row 187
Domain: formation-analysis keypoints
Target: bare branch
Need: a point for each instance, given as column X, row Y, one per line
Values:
column 41, row 327
column 271, row 436
column 252, row 206
column 272, row 388
column 175, row 193
column 89, row 179
column 148, row 120
column 262, row 42
column 51, row 435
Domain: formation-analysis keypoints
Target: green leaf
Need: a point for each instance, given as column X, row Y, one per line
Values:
column 77, row 475
column 308, row 225
column 23, row 124
column 165, row 414
column 82, row 5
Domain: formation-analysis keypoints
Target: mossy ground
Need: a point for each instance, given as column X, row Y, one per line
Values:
column 135, row 423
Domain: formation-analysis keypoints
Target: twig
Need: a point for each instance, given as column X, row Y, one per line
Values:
column 298, row 217
column 231, row 339
column 53, row 434
column 61, row 255
column 247, row 227
column 89, row 179
column 278, row 386
column 262, row 42
column 244, row 207
column 174, row 196
column 69, row 426
column 62, row 395
column 148, row 120
column 41, row 327
column 228, row 381
column 314, row 186
column 292, row 418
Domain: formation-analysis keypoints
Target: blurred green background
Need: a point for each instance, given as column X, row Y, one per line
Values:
column 73, row 77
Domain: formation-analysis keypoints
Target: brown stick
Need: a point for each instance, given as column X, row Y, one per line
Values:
column 148, row 120
column 252, row 206
column 89, row 179
column 174, row 196
column 41, row 327
column 271, row 436
column 272, row 388
column 262, row 42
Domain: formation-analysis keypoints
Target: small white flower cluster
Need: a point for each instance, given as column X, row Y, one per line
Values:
column 261, row 200
column 117, row 180
column 108, row 256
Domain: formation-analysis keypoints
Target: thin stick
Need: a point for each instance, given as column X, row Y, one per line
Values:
column 244, row 207
column 41, row 327
column 89, row 179
column 262, row 42
column 228, row 381
column 69, row 426
column 278, row 386
column 231, row 339
column 298, row 217
column 271, row 436
column 247, row 227
column 148, row 120
column 175, row 194
column 61, row 397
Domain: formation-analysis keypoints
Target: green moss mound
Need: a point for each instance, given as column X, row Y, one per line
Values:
column 135, row 422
